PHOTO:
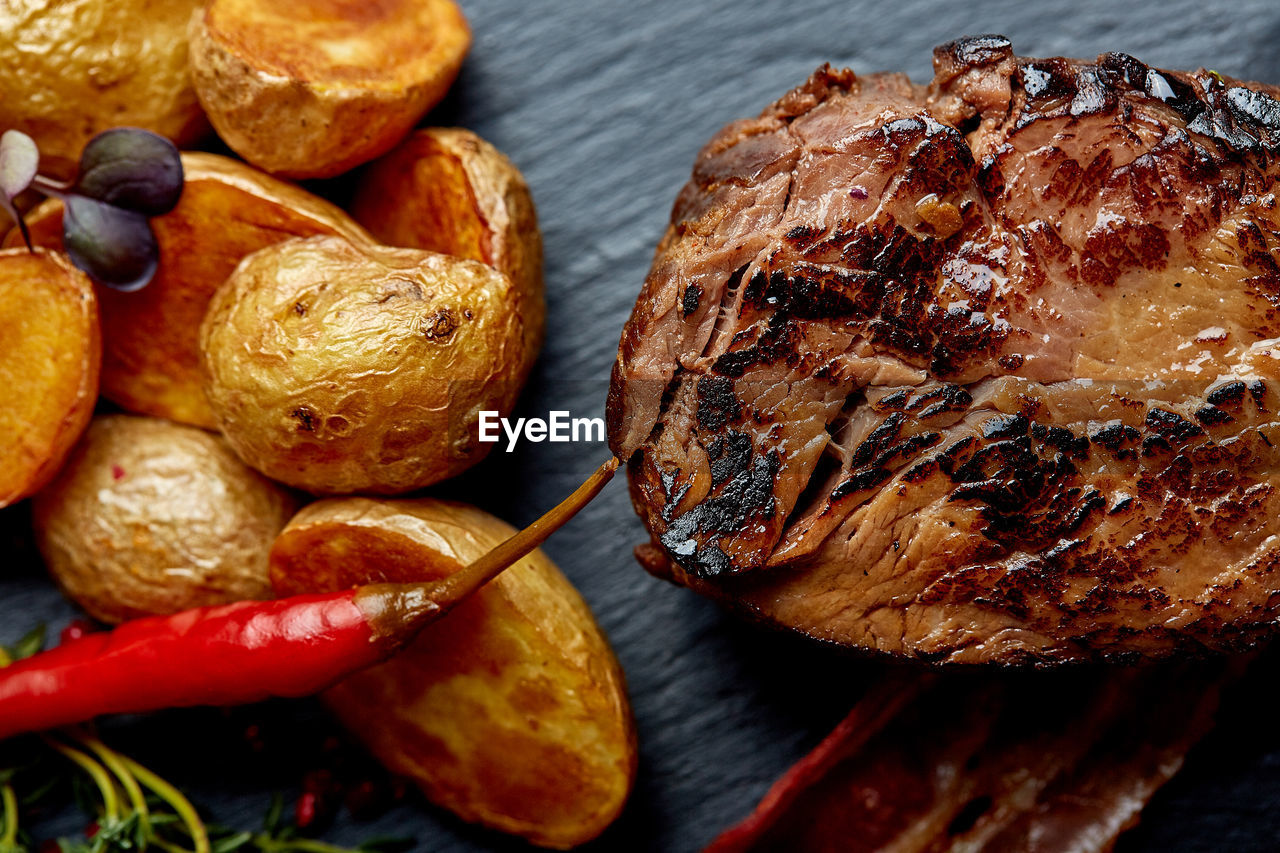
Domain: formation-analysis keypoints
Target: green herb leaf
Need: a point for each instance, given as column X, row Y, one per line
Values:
column 271, row 822
column 131, row 168
column 114, row 246
column 231, row 843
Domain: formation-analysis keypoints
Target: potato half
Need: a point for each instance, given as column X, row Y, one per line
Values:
column 311, row 88
column 49, row 370
column 512, row 711
column 152, row 517
column 340, row 368
column 74, row 68
column 447, row 190
column 151, row 346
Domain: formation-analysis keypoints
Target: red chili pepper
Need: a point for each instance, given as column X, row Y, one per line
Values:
column 251, row 650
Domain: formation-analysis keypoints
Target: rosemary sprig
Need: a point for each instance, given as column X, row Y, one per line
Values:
column 134, row 809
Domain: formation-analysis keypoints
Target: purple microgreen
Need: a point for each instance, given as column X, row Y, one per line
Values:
column 131, row 168
column 19, row 159
column 116, row 247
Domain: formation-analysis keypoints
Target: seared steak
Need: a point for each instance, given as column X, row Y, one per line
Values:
column 979, row 371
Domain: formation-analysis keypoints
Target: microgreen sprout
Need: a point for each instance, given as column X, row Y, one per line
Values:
column 125, row 176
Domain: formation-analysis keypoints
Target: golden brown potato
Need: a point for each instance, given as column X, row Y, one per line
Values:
column 511, row 711
column 150, row 517
column 51, row 353
column 311, row 88
column 74, row 68
column 447, row 190
column 339, row 368
column 151, row 347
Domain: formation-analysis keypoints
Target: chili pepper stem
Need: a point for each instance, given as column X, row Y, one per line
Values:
column 397, row 612
column 458, row 586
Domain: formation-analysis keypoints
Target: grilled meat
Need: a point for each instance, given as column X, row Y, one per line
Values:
column 979, row 371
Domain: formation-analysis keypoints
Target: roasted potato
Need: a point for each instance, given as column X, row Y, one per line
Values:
column 151, row 352
column 511, row 711
column 49, row 370
column 311, row 88
column 447, row 190
column 339, row 367
column 74, row 68
column 151, row 517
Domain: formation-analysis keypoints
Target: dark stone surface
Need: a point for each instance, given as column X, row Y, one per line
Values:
column 603, row 105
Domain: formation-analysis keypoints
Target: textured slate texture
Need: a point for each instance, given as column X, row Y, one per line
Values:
column 603, row 105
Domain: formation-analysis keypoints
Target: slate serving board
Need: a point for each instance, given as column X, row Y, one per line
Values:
column 603, row 105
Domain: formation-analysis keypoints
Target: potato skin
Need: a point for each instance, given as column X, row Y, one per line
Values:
column 74, row 68
column 49, row 335
column 151, row 341
column 312, row 88
column 340, row 368
column 447, row 190
column 512, row 711
column 153, row 517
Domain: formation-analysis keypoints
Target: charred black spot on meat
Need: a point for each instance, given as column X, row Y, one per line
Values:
column 1230, row 394
column 862, row 480
column 895, row 402
column 1258, row 392
column 946, row 398
column 778, row 342
column 730, row 455
column 1005, row 426
column 691, row 299
column 745, row 495
column 1119, row 439
column 1166, row 430
column 717, row 403
column 1076, row 446
column 976, row 51
column 878, row 440
column 1212, row 416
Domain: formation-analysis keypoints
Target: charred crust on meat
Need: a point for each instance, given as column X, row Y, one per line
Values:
column 1118, row 438
column 1258, row 392
column 691, row 299
column 878, row 440
column 1005, row 426
column 1229, row 394
column 717, row 404
column 745, row 494
column 1212, row 416
column 861, row 480
column 1167, row 429
column 975, row 51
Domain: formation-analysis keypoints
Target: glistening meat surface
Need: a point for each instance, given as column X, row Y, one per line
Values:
column 979, row 371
